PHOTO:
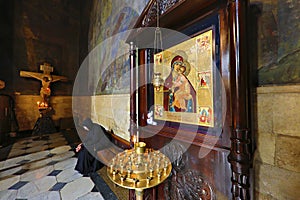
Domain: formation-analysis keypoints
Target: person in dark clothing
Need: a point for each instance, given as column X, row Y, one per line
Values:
column 94, row 141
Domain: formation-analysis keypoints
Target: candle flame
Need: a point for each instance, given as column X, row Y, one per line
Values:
column 134, row 139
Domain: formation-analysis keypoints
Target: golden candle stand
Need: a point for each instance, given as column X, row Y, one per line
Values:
column 139, row 168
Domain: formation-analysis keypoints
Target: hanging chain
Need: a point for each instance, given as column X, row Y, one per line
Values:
column 158, row 35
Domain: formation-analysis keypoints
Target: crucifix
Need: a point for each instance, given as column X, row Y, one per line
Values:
column 44, row 124
column 46, row 78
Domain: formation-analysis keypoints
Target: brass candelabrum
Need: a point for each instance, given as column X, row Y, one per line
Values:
column 139, row 168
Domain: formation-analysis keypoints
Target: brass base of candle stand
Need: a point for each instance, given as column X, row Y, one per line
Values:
column 139, row 168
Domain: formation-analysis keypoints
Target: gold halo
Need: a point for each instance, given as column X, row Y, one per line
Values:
column 187, row 68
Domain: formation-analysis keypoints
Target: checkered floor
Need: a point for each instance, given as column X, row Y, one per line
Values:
column 43, row 168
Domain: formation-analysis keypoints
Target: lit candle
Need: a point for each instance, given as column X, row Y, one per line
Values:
column 134, row 139
column 111, row 168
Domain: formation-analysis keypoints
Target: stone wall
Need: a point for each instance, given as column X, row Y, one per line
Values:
column 81, row 107
column 112, row 111
column 27, row 112
column 277, row 157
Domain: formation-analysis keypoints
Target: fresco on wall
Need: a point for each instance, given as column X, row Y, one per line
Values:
column 110, row 68
column 279, row 43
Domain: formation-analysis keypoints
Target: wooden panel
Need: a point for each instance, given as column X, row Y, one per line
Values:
column 205, row 165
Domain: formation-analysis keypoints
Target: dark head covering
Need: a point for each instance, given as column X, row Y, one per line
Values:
column 176, row 60
column 96, row 138
column 88, row 123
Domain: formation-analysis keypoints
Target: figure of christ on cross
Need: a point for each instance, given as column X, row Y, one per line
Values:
column 46, row 78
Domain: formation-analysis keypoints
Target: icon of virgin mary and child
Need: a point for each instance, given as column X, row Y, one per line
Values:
column 179, row 93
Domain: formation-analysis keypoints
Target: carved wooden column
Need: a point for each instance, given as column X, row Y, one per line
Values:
column 133, row 118
column 240, row 156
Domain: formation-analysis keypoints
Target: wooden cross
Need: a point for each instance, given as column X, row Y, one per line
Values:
column 46, row 78
column 46, row 68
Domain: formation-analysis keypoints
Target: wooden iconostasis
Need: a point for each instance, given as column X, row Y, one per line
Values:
column 198, row 116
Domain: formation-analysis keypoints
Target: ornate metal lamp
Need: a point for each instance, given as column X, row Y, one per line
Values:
column 158, row 46
column 157, row 81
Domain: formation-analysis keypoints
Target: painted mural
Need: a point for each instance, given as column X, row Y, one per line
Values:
column 109, row 19
column 279, row 43
column 278, row 55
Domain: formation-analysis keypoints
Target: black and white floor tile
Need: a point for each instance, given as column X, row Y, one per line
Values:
column 43, row 168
